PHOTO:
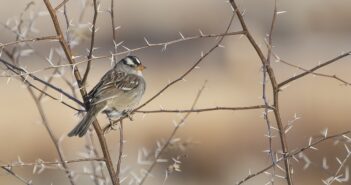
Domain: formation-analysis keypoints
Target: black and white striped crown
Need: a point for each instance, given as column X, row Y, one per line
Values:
column 132, row 61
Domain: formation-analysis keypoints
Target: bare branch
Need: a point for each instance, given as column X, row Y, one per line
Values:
column 312, row 144
column 11, row 172
column 275, row 88
column 39, row 162
column 204, row 109
column 281, row 84
column 18, row 70
column 83, row 92
column 92, row 40
column 264, row 93
column 52, row 38
column 61, row 4
column 133, row 50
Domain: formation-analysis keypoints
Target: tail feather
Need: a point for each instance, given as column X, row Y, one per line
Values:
column 82, row 128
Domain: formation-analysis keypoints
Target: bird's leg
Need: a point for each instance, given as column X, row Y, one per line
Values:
column 112, row 123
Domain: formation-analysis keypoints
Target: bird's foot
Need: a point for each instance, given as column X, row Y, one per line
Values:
column 129, row 115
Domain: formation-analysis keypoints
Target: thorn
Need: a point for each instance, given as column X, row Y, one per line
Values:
column 164, row 47
column 324, row 164
column 201, row 33
column 281, row 12
column 325, row 132
column 181, row 35
column 126, row 48
column 117, row 44
column 147, row 42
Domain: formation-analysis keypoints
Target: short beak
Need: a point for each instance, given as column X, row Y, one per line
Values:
column 141, row 67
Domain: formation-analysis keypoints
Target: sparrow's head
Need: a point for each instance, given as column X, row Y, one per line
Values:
column 130, row 64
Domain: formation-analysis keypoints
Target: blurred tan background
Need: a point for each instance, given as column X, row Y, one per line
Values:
column 226, row 144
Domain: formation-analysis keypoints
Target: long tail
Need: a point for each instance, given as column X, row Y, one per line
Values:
column 83, row 126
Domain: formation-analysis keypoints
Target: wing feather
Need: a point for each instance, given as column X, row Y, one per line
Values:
column 111, row 85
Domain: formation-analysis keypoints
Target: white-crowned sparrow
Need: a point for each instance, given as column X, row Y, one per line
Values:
column 116, row 94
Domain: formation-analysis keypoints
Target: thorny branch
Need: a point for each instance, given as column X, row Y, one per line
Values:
column 52, row 38
column 41, row 162
column 275, row 88
column 168, row 141
column 336, row 176
column 11, row 172
column 344, row 82
column 281, row 84
column 149, row 45
column 278, row 59
column 292, row 154
column 264, row 92
column 92, row 41
column 68, row 53
column 204, row 109
column 61, row 4
column 18, row 70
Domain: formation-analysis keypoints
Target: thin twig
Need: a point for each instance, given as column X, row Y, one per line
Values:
column 92, row 41
column 74, row 65
column 40, row 162
column 204, row 109
column 168, row 141
column 309, row 71
column 61, row 4
column 278, row 59
column 11, row 172
column 344, row 82
column 50, row 38
column 18, row 31
column 336, row 175
column 291, row 154
column 114, row 37
column 18, row 70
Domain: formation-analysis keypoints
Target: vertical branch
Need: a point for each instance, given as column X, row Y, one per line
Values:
column 90, row 139
column 114, row 37
column 264, row 93
column 120, row 154
column 67, row 25
column 92, row 40
column 68, row 53
column 121, row 134
column 270, row 37
column 275, row 89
